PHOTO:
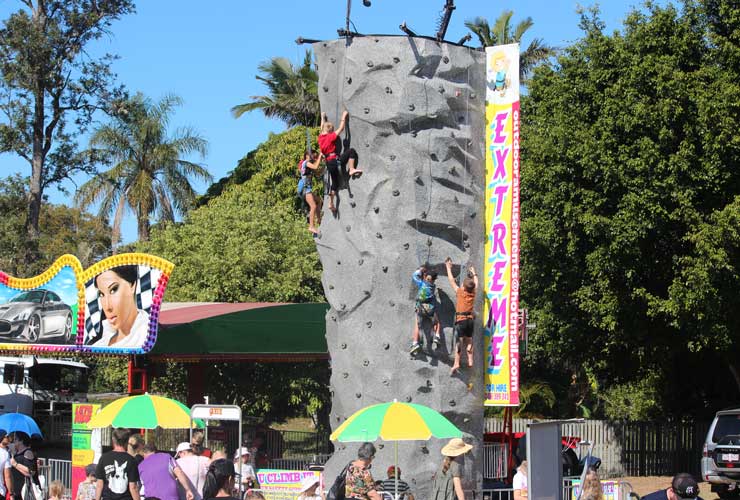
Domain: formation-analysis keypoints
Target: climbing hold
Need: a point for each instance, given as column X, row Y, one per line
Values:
column 366, row 110
column 345, row 375
column 429, row 383
column 379, row 236
column 461, row 119
column 452, row 402
column 418, row 180
column 456, row 200
column 333, row 59
column 370, row 63
column 381, row 446
column 367, row 293
column 348, row 228
column 388, row 90
column 386, row 346
column 339, row 262
column 465, row 237
column 472, row 95
column 396, row 60
column 386, row 382
column 326, row 89
column 376, row 209
column 360, row 262
column 411, row 107
column 429, row 242
column 396, row 192
column 408, row 399
column 349, row 80
column 385, row 269
column 391, row 303
column 414, row 133
column 369, row 324
column 434, row 157
column 331, row 287
column 366, row 362
column 352, row 204
column 458, row 92
column 342, row 307
column 343, row 345
column 358, row 395
column 393, row 157
column 424, row 449
column 405, row 246
column 451, row 227
column 367, row 144
column 452, row 171
column 423, row 215
column 333, row 318
column 466, row 419
column 466, row 245
column 441, row 89
column 472, row 215
column 445, row 59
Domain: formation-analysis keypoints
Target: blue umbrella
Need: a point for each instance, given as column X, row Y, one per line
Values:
column 18, row 422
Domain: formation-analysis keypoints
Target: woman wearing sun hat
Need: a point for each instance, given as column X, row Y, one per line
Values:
column 447, row 482
column 309, row 489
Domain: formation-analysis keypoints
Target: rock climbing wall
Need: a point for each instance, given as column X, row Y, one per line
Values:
column 417, row 122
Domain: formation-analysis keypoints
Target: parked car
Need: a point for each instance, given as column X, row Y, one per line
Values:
column 36, row 315
column 720, row 463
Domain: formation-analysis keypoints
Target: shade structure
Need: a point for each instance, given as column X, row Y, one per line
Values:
column 144, row 412
column 19, row 422
column 395, row 422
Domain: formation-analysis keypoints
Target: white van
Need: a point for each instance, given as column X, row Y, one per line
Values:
column 720, row 463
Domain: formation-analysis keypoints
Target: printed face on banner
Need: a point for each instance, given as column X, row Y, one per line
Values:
column 111, row 307
column 501, row 334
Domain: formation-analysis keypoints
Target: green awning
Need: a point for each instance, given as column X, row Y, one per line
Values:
column 269, row 332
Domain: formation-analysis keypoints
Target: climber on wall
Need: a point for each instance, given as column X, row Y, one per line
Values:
column 464, row 315
column 328, row 141
column 426, row 306
column 306, row 170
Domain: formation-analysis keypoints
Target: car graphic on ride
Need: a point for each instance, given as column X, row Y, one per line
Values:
column 36, row 316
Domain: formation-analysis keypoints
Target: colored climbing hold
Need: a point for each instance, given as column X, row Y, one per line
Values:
column 396, row 192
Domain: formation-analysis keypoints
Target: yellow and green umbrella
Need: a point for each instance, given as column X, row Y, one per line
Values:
column 395, row 422
column 144, row 412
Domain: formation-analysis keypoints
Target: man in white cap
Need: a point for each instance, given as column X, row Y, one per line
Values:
column 245, row 469
column 194, row 467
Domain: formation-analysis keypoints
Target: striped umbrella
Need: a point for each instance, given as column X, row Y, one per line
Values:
column 395, row 422
column 144, row 412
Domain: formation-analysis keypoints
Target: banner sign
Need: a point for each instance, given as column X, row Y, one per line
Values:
column 271, row 479
column 86, row 447
column 501, row 335
column 609, row 488
column 112, row 307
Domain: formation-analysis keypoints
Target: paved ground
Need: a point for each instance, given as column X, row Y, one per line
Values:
column 645, row 485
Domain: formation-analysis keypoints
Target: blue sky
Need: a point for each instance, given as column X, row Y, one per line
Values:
column 64, row 284
column 208, row 53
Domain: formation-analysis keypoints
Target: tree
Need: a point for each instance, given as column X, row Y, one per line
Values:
column 61, row 230
column 150, row 174
column 293, row 93
column 49, row 81
column 501, row 33
column 629, row 213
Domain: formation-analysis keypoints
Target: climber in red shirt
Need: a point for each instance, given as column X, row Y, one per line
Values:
column 328, row 141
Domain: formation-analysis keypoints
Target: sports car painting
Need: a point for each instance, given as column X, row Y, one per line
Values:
column 36, row 316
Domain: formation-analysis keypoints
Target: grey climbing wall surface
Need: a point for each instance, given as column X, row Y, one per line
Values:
column 417, row 122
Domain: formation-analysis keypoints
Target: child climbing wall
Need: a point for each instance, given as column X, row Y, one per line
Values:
column 328, row 141
column 426, row 306
column 464, row 315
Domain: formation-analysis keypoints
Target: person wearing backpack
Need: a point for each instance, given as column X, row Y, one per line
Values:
column 447, row 481
column 360, row 484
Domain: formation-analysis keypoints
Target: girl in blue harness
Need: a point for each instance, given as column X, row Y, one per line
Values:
column 306, row 170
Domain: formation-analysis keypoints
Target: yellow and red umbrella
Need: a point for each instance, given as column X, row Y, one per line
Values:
column 144, row 412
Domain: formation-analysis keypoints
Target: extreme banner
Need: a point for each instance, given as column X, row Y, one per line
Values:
column 501, row 317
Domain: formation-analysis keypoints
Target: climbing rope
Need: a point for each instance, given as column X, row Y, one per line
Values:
column 465, row 168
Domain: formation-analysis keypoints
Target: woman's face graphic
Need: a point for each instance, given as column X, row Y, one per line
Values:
column 116, row 297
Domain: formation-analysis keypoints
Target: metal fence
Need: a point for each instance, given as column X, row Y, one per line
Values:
column 495, row 456
column 634, row 448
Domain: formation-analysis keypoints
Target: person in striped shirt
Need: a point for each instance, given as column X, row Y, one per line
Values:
column 389, row 485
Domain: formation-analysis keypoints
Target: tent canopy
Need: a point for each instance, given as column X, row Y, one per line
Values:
column 241, row 331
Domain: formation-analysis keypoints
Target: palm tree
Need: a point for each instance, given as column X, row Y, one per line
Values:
column 293, row 93
column 149, row 175
column 502, row 34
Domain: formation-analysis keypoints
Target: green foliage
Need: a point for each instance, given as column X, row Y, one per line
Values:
column 638, row 400
column 107, row 374
column 149, row 175
column 47, row 81
column 61, row 230
column 629, row 212
column 293, row 93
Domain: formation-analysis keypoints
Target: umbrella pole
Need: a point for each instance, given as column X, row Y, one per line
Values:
column 395, row 453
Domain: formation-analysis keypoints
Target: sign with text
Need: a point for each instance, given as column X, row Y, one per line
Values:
column 216, row 412
column 271, row 479
column 501, row 263
column 85, row 443
column 609, row 488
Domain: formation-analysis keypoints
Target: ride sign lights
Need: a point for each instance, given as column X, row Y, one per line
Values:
column 111, row 307
column 501, row 265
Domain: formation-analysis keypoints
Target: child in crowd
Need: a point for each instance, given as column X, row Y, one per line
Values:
column 307, row 170
column 56, row 490
column 328, row 138
column 86, row 489
column 426, row 306
column 464, row 316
